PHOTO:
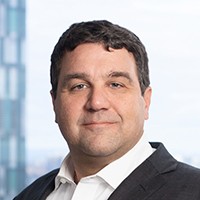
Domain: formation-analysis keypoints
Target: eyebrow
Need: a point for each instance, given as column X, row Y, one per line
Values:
column 121, row 74
column 69, row 77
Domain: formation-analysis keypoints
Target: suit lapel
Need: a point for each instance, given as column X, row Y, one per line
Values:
column 47, row 190
column 148, row 178
column 43, row 191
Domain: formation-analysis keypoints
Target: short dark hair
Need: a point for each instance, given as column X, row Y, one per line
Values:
column 107, row 34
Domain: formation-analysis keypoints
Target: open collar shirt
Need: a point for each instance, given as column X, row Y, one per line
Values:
column 101, row 185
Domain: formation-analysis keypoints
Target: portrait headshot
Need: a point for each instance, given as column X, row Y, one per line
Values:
column 101, row 96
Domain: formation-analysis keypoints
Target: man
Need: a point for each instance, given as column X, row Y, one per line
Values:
column 101, row 96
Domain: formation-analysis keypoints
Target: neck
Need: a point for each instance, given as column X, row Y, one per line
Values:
column 87, row 167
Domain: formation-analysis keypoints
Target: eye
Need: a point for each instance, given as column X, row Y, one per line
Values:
column 80, row 86
column 116, row 85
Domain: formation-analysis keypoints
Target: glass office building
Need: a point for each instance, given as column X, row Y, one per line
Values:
column 12, row 96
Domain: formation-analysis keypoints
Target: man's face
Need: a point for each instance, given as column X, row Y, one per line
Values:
column 99, row 107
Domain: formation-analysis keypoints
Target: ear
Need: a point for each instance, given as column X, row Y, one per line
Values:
column 53, row 98
column 147, row 101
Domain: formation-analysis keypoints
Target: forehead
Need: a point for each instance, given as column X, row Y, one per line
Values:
column 94, row 56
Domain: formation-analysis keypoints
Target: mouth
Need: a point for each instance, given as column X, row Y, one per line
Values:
column 98, row 124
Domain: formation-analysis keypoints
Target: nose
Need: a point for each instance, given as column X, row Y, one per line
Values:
column 97, row 100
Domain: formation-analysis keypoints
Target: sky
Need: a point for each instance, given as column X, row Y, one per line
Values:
column 170, row 31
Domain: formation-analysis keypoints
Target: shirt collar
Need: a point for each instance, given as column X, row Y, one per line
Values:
column 65, row 173
column 112, row 173
column 117, row 171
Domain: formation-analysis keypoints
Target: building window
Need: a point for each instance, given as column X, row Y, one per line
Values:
column 13, row 152
column 2, row 19
column 13, row 83
column 0, row 47
column 2, row 83
column 10, row 51
column 13, row 22
column 21, row 24
column 22, row 3
column 2, row 182
column 4, row 148
column 23, row 51
column 13, row 3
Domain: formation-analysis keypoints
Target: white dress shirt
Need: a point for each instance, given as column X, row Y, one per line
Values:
column 99, row 186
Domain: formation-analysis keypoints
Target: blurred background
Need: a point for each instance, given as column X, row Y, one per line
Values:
column 30, row 141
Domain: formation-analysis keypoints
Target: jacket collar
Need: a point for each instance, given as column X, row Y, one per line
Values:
column 148, row 177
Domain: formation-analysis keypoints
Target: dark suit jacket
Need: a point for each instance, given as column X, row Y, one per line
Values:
column 160, row 177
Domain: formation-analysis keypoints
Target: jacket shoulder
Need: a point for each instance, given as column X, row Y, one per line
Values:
column 188, row 172
column 43, row 185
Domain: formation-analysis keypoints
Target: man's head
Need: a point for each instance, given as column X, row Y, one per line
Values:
column 107, row 34
column 101, row 92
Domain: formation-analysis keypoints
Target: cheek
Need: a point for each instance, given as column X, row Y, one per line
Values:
column 133, row 110
column 67, row 121
column 68, row 112
column 135, row 121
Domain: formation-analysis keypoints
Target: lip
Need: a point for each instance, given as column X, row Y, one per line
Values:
column 93, row 124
